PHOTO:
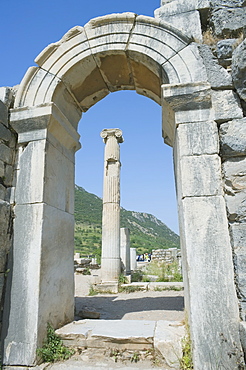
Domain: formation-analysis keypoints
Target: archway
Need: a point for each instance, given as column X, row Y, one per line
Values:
column 115, row 52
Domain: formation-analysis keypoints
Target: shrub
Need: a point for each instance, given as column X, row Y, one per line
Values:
column 53, row 348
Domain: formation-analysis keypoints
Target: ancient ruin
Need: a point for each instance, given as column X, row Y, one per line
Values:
column 190, row 59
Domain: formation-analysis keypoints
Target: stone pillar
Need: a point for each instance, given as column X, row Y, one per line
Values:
column 41, row 277
column 125, row 249
column 133, row 257
column 110, row 262
column 210, row 295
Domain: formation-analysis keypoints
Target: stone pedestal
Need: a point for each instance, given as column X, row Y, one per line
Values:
column 110, row 263
column 125, row 249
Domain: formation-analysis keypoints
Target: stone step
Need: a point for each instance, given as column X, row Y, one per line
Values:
column 165, row 336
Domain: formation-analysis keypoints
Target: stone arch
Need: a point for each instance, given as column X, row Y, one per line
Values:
column 110, row 53
column 120, row 51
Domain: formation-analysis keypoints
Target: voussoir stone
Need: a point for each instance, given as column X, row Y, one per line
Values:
column 233, row 138
column 239, row 69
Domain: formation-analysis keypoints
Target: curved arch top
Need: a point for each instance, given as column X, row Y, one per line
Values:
column 110, row 53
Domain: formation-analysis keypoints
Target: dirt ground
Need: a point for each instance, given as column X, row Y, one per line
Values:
column 147, row 305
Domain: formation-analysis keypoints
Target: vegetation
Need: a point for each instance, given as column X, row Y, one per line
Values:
column 147, row 232
column 92, row 291
column 130, row 289
column 53, row 348
column 165, row 271
column 186, row 362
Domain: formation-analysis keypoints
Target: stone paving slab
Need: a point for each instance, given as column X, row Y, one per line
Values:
column 164, row 336
column 135, row 334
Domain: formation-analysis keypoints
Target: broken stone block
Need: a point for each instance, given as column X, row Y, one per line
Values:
column 233, row 138
column 225, row 48
column 239, row 69
column 167, row 339
column 238, row 237
column 235, row 188
column 3, row 113
column 89, row 314
column 188, row 22
column 226, row 105
column 227, row 21
column 228, row 3
column 217, row 75
column 6, row 154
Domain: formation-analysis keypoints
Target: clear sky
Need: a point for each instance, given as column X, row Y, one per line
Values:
column 147, row 181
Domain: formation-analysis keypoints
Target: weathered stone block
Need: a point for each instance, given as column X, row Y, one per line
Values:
column 59, row 179
column 5, row 133
column 226, row 106
column 238, row 238
column 167, row 339
column 2, row 169
column 217, row 75
column 30, row 179
column 39, row 271
column 183, row 6
column 208, row 263
column 233, row 138
column 1, row 284
column 239, row 69
column 242, row 331
column 4, row 235
column 6, row 95
column 235, row 187
column 236, row 206
column 197, row 138
column 228, row 3
column 6, row 154
column 200, row 175
column 188, row 22
column 8, row 177
column 225, row 21
column 235, row 174
column 225, row 48
column 3, row 113
column 3, row 192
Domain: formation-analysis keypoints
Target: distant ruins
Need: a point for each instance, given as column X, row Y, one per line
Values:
column 190, row 59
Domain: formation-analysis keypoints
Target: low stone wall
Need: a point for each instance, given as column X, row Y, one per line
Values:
column 7, row 159
column 166, row 255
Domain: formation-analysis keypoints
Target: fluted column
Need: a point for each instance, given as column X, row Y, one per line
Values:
column 110, row 263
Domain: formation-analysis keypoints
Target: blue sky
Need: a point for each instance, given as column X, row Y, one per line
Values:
column 147, row 183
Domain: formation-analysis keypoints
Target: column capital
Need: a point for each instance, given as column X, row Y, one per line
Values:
column 116, row 132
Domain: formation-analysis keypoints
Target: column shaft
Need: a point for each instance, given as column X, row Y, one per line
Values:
column 110, row 264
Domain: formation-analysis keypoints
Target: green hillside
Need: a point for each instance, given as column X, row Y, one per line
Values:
column 146, row 231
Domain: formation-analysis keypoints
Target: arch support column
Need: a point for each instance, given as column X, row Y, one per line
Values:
column 40, row 281
column 210, row 296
